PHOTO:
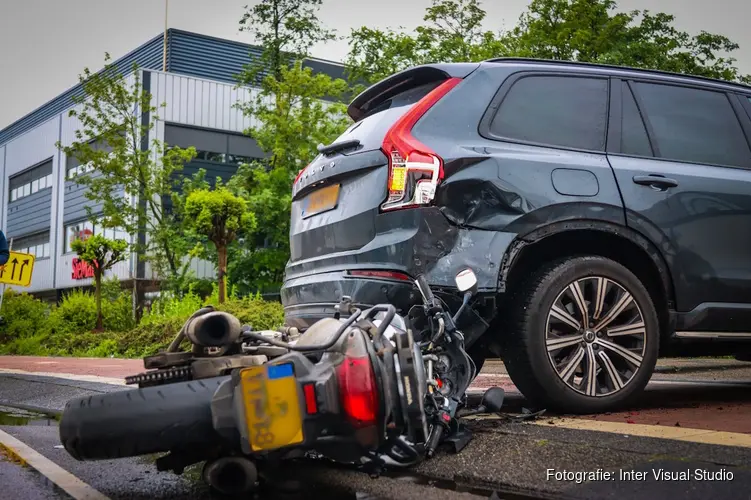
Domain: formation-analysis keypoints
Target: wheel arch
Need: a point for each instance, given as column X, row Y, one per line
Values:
column 613, row 241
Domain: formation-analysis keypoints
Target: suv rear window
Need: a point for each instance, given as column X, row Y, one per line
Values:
column 371, row 129
column 564, row 111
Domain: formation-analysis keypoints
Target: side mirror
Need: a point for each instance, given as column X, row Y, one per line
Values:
column 466, row 281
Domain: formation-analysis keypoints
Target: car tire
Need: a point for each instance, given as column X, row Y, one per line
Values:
column 140, row 421
column 543, row 356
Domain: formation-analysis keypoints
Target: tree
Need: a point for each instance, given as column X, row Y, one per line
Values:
column 595, row 31
column 286, row 29
column 101, row 254
column 295, row 110
column 218, row 215
column 126, row 174
column 452, row 32
column 581, row 30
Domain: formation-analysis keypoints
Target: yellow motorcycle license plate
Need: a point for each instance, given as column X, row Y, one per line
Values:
column 272, row 406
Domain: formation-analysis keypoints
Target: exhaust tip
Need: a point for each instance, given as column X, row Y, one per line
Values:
column 231, row 475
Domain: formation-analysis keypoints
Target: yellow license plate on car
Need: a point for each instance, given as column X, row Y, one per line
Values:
column 272, row 406
column 322, row 200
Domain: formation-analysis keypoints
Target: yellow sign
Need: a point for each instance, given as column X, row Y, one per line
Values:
column 272, row 406
column 18, row 269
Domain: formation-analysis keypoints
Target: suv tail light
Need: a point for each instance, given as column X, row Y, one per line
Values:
column 358, row 389
column 414, row 169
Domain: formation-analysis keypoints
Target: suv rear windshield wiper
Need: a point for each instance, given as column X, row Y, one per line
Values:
column 338, row 146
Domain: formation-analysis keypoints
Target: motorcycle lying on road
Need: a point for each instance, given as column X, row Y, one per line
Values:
column 365, row 387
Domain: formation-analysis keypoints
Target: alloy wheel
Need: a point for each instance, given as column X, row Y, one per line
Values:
column 596, row 336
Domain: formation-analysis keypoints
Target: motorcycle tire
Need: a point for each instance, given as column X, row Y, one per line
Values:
column 140, row 421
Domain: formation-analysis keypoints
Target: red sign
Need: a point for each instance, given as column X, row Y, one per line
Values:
column 81, row 270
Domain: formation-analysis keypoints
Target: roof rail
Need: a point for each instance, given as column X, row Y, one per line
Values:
column 615, row 66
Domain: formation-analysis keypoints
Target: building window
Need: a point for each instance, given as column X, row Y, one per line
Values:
column 214, row 146
column 31, row 181
column 74, row 168
column 37, row 245
column 83, row 230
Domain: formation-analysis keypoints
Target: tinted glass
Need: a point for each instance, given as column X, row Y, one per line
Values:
column 555, row 110
column 634, row 138
column 694, row 125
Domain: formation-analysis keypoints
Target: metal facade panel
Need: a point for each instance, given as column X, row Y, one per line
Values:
column 75, row 203
column 41, row 278
column 30, row 214
column 31, row 148
column 208, row 57
column 188, row 54
column 198, row 103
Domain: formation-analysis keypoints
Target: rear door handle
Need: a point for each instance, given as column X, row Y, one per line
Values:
column 655, row 181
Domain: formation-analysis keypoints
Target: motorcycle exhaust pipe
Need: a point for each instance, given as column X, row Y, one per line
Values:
column 231, row 475
column 214, row 329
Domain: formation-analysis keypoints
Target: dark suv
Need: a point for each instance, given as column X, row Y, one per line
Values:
column 606, row 212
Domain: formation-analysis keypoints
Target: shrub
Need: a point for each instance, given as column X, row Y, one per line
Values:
column 256, row 312
column 24, row 316
column 67, row 329
column 76, row 313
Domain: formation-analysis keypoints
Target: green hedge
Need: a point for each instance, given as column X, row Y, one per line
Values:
column 33, row 328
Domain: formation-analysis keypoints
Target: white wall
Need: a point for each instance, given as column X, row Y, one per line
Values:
column 22, row 152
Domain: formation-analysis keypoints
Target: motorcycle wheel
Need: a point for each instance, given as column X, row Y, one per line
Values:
column 140, row 421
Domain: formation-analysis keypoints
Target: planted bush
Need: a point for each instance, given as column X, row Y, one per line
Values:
column 23, row 316
column 33, row 328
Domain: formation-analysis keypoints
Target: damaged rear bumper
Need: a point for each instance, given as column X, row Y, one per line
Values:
column 413, row 242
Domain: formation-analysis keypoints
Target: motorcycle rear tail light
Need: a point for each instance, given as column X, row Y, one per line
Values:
column 358, row 389
column 311, row 404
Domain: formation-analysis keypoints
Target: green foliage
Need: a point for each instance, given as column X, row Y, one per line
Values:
column 452, row 31
column 109, row 140
column 66, row 329
column 218, row 214
column 23, row 315
column 293, row 119
column 581, row 30
column 596, row 31
column 99, row 252
column 286, row 29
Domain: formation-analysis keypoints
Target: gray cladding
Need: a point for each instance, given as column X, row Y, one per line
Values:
column 187, row 54
column 75, row 202
column 30, row 214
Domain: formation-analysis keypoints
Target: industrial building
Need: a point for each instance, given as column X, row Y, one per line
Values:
column 44, row 209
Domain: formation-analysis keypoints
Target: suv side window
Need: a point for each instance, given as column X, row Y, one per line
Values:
column 634, row 138
column 693, row 125
column 565, row 111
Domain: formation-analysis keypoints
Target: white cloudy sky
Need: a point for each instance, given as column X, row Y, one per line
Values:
column 44, row 44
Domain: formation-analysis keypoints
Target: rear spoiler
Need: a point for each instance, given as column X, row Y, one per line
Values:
column 376, row 94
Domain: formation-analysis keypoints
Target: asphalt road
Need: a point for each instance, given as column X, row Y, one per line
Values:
column 673, row 428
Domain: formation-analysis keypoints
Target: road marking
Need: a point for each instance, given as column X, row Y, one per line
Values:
column 62, row 478
column 67, row 376
column 654, row 431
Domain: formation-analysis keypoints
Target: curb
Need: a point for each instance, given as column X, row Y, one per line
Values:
column 701, row 368
column 70, row 484
column 33, row 409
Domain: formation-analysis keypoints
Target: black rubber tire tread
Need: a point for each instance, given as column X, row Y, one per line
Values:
column 525, row 355
column 140, row 421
